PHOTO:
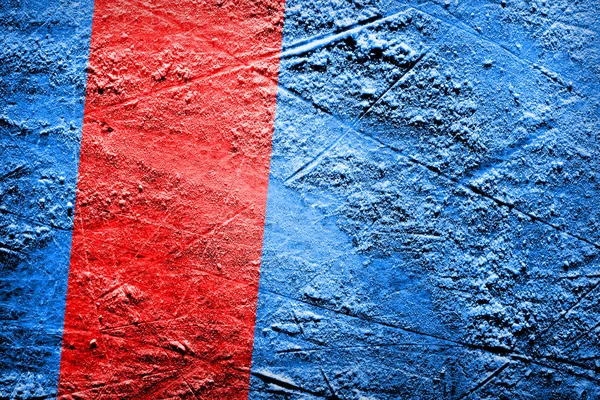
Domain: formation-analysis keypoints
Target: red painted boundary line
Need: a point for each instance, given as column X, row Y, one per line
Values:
column 171, row 199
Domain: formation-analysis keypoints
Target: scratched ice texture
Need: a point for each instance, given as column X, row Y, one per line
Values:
column 44, row 48
column 433, row 210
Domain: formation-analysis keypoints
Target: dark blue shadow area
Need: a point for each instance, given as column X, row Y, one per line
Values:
column 432, row 219
column 44, row 49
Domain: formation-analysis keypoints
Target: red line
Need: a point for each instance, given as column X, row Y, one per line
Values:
column 171, row 200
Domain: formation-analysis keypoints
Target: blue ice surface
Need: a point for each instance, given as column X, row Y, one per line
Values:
column 44, row 49
column 433, row 215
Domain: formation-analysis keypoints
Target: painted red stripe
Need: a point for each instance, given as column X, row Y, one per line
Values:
column 171, row 199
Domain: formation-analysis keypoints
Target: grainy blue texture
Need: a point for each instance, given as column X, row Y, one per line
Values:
column 44, row 49
column 432, row 226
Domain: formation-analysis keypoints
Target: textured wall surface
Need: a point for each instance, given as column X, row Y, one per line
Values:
column 343, row 199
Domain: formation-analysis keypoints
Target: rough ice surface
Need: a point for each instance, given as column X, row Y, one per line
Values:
column 433, row 210
column 433, row 213
column 43, row 57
